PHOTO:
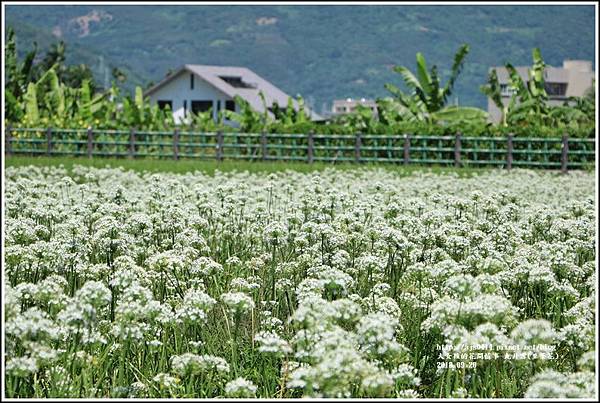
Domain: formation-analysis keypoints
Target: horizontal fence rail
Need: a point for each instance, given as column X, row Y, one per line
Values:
column 458, row 150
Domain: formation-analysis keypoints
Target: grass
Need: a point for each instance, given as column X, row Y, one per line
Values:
column 209, row 167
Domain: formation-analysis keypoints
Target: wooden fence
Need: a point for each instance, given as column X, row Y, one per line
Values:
column 552, row 153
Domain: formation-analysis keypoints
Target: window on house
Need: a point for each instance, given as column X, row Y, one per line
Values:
column 163, row 104
column 192, row 81
column 230, row 106
column 184, row 108
column 236, row 82
column 556, row 89
column 506, row 90
column 201, row 106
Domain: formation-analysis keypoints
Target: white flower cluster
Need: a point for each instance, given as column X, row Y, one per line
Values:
column 237, row 302
column 553, row 384
column 336, row 283
column 240, row 387
column 189, row 363
column 270, row 342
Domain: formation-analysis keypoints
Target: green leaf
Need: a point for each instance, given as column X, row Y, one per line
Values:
column 424, row 78
column 31, row 106
column 85, row 100
column 459, row 59
column 460, row 113
column 517, row 82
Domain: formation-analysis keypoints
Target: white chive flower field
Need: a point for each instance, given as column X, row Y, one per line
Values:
column 339, row 283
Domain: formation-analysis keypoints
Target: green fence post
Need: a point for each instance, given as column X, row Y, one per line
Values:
column 263, row 145
column 48, row 141
column 176, row 144
column 131, row 149
column 565, row 153
column 7, row 140
column 90, row 140
column 509, row 151
column 457, row 150
column 357, row 145
column 219, row 145
column 406, row 149
column 311, row 145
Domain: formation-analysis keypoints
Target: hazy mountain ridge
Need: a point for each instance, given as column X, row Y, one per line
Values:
column 321, row 52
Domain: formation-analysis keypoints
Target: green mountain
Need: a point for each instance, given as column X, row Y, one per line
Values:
column 321, row 52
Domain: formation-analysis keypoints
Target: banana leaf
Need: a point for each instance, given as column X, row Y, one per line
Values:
column 423, row 75
column 458, row 113
column 459, row 59
column 31, row 105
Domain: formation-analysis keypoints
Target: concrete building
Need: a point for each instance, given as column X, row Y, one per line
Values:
column 199, row 88
column 572, row 80
column 348, row 105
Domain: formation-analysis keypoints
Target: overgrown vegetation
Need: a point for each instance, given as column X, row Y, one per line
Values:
column 50, row 94
column 529, row 106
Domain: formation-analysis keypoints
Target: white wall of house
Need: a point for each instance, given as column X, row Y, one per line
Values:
column 179, row 90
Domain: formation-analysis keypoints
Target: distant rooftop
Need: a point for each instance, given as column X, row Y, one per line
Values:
column 240, row 81
column 350, row 104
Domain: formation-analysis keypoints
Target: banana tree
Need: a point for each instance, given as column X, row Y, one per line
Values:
column 36, row 92
column 30, row 100
column 248, row 119
column 54, row 100
column 528, row 103
column 389, row 111
column 204, row 121
column 362, row 120
column 134, row 111
column 289, row 116
column 300, row 115
column 427, row 96
column 18, row 77
column 492, row 90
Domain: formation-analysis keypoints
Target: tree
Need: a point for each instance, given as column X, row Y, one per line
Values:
column 54, row 58
column 249, row 120
column 528, row 105
column 19, row 75
column 492, row 91
column 74, row 76
column 427, row 97
column 119, row 75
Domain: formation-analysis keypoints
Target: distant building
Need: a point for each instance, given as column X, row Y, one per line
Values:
column 572, row 80
column 348, row 105
column 199, row 88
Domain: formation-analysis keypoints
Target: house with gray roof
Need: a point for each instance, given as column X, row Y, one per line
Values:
column 199, row 88
column 573, row 79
